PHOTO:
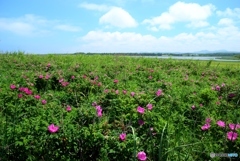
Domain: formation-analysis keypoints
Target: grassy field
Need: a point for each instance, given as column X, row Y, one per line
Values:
column 104, row 108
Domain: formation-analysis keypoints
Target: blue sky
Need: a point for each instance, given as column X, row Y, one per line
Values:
column 60, row 26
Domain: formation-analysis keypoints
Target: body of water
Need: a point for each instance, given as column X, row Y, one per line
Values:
column 190, row 58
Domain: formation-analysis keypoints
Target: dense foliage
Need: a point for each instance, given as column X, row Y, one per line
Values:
column 83, row 107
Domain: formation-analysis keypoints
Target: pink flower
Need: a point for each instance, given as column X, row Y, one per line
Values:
column 12, row 86
column 64, row 84
column 151, row 128
column 115, row 81
column 140, row 122
column 140, row 110
column 159, row 92
column 232, row 135
column 193, row 107
column 149, row 106
column 99, row 110
column 122, row 136
column 232, row 126
column 47, row 76
column 201, row 105
column 205, row 127
column 20, row 95
column 44, row 102
column 72, row 76
column 208, row 120
column 221, row 123
column 21, row 89
column 217, row 88
column 37, row 97
column 40, row 76
column 94, row 104
column 116, row 91
column 132, row 94
column 223, row 84
column 150, row 77
column 61, row 80
column 48, row 65
column 99, row 113
column 68, row 108
column 142, row 156
column 99, row 84
column 106, row 91
column 124, row 92
column 27, row 91
column 238, row 126
column 52, row 128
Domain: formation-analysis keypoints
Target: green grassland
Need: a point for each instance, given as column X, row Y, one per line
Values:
column 185, row 95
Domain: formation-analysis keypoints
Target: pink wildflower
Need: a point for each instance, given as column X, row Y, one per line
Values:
column 116, row 91
column 12, row 86
column 149, row 106
column 140, row 110
column 20, row 95
column 72, row 76
column 68, row 108
column 124, row 92
column 208, row 120
column 217, row 88
column 94, row 104
column 193, row 107
column 115, row 81
column 232, row 135
column 221, row 123
column 205, row 127
column 232, row 126
column 44, row 102
column 47, row 76
column 122, row 136
column 37, row 97
column 99, row 84
column 142, row 156
column 159, row 92
column 132, row 94
column 53, row 128
column 40, row 76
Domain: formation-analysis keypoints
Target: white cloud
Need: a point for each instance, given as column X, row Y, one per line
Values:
column 32, row 25
column 193, row 13
column 68, row 28
column 118, row 17
column 26, row 25
column 20, row 28
column 225, row 22
column 196, row 24
column 229, row 12
column 96, row 7
column 99, row 41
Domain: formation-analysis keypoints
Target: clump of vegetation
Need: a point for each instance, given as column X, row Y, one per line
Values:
column 93, row 107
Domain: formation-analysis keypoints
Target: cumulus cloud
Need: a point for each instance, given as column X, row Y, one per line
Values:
column 93, row 6
column 230, row 13
column 193, row 13
column 118, row 17
column 225, row 22
column 99, row 41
